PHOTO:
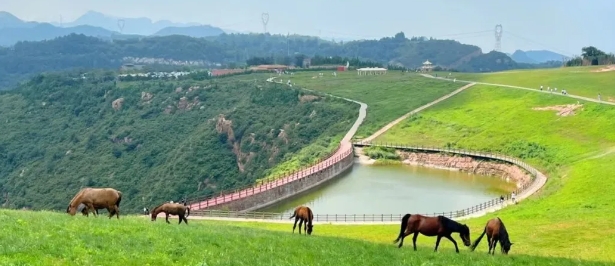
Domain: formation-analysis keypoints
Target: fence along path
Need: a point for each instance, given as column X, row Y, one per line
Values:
column 538, row 180
column 343, row 150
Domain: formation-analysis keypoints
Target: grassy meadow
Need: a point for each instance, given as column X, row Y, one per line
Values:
column 572, row 216
column 47, row 238
column 582, row 81
column 388, row 96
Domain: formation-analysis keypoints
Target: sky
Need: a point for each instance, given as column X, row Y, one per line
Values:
column 563, row 26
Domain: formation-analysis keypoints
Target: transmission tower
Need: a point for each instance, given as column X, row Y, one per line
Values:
column 498, row 38
column 265, row 19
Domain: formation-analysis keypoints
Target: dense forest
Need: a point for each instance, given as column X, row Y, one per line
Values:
column 234, row 50
column 154, row 140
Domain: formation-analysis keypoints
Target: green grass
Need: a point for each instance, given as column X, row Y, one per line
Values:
column 573, row 215
column 580, row 81
column 388, row 96
column 58, row 239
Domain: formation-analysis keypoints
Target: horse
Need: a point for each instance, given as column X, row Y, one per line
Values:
column 496, row 231
column 174, row 209
column 304, row 214
column 439, row 226
column 96, row 198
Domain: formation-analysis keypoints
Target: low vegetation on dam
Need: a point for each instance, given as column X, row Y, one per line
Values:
column 156, row 140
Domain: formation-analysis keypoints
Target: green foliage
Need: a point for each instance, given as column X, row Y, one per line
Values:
column 45, row 238
column 381, row 153
column 592, row 56
column 169, row 139
column 82, row 52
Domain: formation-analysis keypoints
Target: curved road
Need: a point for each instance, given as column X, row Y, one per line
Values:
column 344, row 149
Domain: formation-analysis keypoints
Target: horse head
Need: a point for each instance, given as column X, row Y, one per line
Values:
column 465, row 235
column 154, row 214
column 72, row 210
column 505, row 247
column 309, row 229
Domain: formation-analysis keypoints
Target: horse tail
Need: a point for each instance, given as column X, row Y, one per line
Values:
column 404, row 224
column 310, row 215
column 473, row 247
column 294, row 214
column 187, row 211
column 119, row 199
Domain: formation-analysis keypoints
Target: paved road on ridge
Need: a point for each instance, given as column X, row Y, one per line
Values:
column 345, row 146
column 523, row 88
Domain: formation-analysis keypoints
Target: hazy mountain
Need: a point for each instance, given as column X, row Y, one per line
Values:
column 192, row 31
column 535, row 56
column 8, row 20
column 13, row 30
column 140, row 26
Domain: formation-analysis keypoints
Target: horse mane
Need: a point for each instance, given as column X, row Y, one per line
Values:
column 154, row 209
column 449, row 224
column 78, row 195
column 503, row 233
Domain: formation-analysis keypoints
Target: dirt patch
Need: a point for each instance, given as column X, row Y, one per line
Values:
column 606, row 69
column 506, row 171
column 562, row 110
column 308, row 98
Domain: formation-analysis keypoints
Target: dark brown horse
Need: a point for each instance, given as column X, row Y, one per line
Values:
column 439, row 226
column 96, row 198
column 304, row 214
column 85, row 211
column 496, row 231
column 172, row 209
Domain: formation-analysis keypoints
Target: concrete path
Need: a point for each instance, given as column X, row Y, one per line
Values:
column 524, row 88
column 402, row 118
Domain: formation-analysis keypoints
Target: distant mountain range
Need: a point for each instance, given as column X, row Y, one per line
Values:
column 536, row 56
column 13, row 29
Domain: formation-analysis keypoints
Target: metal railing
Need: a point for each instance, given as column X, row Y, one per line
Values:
column 305, row 172
column 395, row 217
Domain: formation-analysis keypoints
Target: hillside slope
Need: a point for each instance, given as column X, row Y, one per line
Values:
column 155, row 141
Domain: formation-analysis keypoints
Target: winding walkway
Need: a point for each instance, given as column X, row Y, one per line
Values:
column 523, row 88
column 343, row 150
column 402, row 118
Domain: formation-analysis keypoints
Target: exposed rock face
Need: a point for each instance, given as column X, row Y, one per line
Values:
column 146, row 96
column 226, row 126
column 308, row 98
column 117, row 104
column 467, row 164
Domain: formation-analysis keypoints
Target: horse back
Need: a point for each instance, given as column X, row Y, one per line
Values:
column 304, row 212
column 101, row 196
column 429, row 226
column 493, row 227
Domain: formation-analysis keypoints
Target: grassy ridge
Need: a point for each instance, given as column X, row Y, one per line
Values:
column 58, row 239
column 581, row 81
column 576, row 152
column 388, row 97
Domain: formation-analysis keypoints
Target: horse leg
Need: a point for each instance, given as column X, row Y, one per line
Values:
column 490, row 242
column 300, row 224
column 454, row 242
column 416, row 234
column 295, row 225
column 495, row 244
column 92, row 209
column 168, row 218
column 180, row 218
column 437, row 243
column 406, row 233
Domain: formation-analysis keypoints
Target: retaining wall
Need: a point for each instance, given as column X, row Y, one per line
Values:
column 290, row 189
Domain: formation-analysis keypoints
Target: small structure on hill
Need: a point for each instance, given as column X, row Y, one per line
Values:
column 371, row 71
column 427, row 66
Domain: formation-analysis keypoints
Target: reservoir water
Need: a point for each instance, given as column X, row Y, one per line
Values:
column 395, row 189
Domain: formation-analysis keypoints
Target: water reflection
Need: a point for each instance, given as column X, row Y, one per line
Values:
column 394, row 189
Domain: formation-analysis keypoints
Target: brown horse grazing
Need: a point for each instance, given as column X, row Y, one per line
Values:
column 174, row 209
column 496, row 231
column 96, row 198
column 439, row 226
column 304, row 214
